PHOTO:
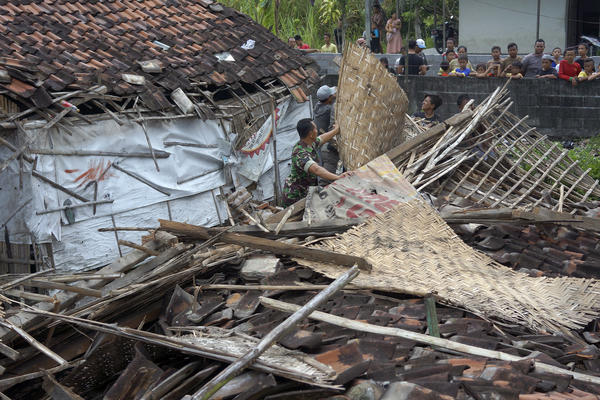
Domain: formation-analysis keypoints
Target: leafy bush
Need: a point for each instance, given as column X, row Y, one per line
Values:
column 588, row 154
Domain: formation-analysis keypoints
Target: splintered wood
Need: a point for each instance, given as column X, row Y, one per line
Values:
column 412, row 249
column 370, row 108
column 492, row 158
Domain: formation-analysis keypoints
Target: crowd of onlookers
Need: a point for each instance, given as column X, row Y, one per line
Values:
column 574, row 65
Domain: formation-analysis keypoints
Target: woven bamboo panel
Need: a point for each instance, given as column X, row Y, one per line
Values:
column 370, row 108
column 413, row 250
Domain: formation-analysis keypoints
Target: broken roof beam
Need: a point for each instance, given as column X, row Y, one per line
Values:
column 292, row 250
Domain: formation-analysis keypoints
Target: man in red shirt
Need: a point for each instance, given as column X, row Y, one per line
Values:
column 568, row 69
column 299, row 44
column 303, row 46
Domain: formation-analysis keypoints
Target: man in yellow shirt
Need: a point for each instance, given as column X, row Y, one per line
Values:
column 328, row 47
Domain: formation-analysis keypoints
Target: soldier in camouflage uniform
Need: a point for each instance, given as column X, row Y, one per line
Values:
column 305, row 168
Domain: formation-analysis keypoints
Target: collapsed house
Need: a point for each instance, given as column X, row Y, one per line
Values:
column 413, row 313
column 116, row 113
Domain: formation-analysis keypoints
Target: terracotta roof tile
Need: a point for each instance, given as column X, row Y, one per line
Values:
column 78, row 37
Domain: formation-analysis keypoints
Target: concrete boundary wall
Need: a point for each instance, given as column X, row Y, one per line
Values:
column 555, row 107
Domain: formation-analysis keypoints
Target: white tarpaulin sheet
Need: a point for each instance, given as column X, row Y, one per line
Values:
column 191, row 175
column 256, row 157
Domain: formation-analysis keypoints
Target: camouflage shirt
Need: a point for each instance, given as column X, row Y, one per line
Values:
column 299, row 179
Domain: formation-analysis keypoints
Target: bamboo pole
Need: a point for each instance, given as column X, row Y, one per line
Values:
column 138, row 247
column 31, row 340
column 254, row 221
column 148, row 141
column 89, row 203
column 8, row 382
column 422, row 338
column 59, row 187
column 127, row 228
column 23, row 279
column 141, row 179
column 208, row 390
column 85, row 153
column 15, row 213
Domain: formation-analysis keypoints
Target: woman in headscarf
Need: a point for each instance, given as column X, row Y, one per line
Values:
column 394, row 37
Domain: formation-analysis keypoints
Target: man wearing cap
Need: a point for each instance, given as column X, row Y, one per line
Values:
column 419, row 50
column 305, row 169
column 324, row 118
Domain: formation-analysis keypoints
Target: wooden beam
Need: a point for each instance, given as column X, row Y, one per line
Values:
column 275, row 247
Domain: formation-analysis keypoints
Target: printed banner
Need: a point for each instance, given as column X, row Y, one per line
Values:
column 374, row 188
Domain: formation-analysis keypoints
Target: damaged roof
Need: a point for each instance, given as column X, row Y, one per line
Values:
column 62, row 45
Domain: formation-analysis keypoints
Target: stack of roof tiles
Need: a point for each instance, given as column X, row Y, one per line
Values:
column 544, row 249
column 62, row 45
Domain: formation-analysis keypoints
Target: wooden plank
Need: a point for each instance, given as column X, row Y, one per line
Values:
column 300, row 228
column 9, row 352
column 198, row 232
column 296, row 208
column 27, row 320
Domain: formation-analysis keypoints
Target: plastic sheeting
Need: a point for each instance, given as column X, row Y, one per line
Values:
column 79, row 245
column 373, row 189
column 256, row 156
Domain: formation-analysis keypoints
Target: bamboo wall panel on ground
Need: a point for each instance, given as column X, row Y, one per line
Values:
column 370, row 108
column 412, row 249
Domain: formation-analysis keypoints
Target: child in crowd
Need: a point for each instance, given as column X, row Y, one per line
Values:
column 450, row 55
column 484, row 71
column 450, row 43
column 444, row 68
column 547, row 71
column 568, row 69
column 495, row 62
column 462, row 50
column 513, row 50
column 588, row 73
column 515, row 70
column 556, row 52
column 462, row 69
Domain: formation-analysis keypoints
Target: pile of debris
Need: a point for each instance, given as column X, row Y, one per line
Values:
column 164, row 319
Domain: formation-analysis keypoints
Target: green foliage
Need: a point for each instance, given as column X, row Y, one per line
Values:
column 329, row 12
column 299, row 17
column 588, row 155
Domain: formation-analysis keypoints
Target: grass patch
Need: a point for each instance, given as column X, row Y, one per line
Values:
column 587, row 152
